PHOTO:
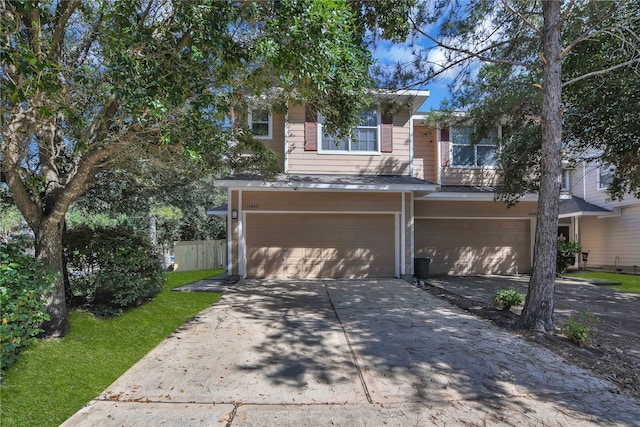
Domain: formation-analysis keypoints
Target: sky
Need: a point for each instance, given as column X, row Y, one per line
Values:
column 387, row 53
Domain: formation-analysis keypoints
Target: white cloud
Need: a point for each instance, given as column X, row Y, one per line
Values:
column 388, row 53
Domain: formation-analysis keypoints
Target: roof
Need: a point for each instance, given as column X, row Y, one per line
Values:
column 471, row 192
column 329, row 181
column 575, row 206
column 219, row 210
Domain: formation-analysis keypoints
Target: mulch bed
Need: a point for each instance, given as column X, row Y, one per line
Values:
column 605, row 357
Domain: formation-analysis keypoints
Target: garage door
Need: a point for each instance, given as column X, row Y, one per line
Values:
column 320, row 246
column 475, row 246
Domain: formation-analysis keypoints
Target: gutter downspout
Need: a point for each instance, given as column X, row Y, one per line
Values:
column 411, row 145
column 286, row 140
column 584, row 179
column 229, row 231
column 439, row 147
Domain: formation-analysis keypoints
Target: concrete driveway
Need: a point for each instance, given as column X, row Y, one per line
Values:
column 618, row 311
column 350, row 353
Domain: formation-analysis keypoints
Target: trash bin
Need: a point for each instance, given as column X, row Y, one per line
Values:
column 421, row 268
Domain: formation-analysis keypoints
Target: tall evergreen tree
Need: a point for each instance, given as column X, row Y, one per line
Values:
column 529, row 42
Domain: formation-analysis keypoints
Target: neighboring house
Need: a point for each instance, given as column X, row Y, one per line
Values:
column 369, row 205
column 609, row 231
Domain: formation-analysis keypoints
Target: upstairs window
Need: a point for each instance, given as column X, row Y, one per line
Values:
column 363, row 138
column 566, row 182
column 605, row 177
column 260, row 123
column 466, row 154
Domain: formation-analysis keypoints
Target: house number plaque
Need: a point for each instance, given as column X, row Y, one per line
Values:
column 252, row 207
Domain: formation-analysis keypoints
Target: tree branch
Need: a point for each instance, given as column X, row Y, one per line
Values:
column 522, row 17
column 103, row 121
column 603, row 71
column 184, row 40
column 12, row 167
column 479, row 54
column 566, row 13
column 32, row 22
column 587, row 34
column 63, row 12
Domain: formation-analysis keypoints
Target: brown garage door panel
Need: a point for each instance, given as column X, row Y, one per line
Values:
column 473, row 246
column 315, row 246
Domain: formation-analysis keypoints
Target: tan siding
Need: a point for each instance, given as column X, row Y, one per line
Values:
column 425, row 153
column 608, row 238
column 474, row 246
column 301, row 161
column 276, row 144
column 320, row 201
column 470, row 176
column 445, row 209
column 316, row 246
column 575, row 178
column 601, row 197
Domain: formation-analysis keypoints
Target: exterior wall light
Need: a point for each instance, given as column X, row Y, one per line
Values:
column 234, row 214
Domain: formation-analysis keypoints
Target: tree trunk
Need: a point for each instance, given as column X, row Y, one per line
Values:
column 538, row 309
column 49, row 251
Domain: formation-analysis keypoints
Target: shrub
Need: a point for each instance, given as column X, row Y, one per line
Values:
column 23, row 282
column 567, row 251
column 112, row 268
column 577, row 328
column 505, row 298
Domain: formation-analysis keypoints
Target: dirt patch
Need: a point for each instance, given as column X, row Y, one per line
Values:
column 606, row 357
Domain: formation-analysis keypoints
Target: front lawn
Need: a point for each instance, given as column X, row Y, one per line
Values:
column 55, row 378
column 630, row 282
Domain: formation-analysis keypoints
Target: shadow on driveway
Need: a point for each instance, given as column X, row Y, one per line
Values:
column 353, row 352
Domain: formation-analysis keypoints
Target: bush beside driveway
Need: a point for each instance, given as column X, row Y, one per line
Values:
column 614, row 352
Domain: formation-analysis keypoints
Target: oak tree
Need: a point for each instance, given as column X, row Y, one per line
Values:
column 88, row 84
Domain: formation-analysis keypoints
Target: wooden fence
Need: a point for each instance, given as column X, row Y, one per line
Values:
column 200, row 255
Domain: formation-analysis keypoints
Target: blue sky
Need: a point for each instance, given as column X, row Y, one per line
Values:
column 387, row 53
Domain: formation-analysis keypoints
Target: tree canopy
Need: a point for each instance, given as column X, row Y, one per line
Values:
column 87, row 85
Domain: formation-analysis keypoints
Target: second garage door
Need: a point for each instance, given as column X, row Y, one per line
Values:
column 475, row 246
column 320, row 246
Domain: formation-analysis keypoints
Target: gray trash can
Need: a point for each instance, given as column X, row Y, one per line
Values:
column 421, row 268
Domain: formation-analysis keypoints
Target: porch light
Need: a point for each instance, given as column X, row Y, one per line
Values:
column 585, row 257
column 234, row 214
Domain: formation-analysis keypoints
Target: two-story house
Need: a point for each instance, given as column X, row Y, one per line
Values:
column 609, row 231
column 367, row 205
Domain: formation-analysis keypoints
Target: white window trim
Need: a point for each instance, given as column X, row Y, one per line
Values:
column 452, row 143
column 598, row 175
column 269, row 135
column 350, row 152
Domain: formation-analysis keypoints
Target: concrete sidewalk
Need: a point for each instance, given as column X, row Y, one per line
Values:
column 350, row 353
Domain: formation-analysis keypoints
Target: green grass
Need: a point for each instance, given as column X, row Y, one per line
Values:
column 630, row 282
column 55, row 378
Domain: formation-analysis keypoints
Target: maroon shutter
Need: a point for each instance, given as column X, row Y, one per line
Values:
column 444, row 146
column 444, row 134
column 386, row 133
column 310, row 130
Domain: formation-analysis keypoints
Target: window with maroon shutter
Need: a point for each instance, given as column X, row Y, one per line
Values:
column 310, row 130
column 386, row 133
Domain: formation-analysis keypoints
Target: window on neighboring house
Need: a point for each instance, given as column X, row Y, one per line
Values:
column 464, row 153
column 605, row 176
column 260, row 122
column 363, row 138
column 566, row 183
